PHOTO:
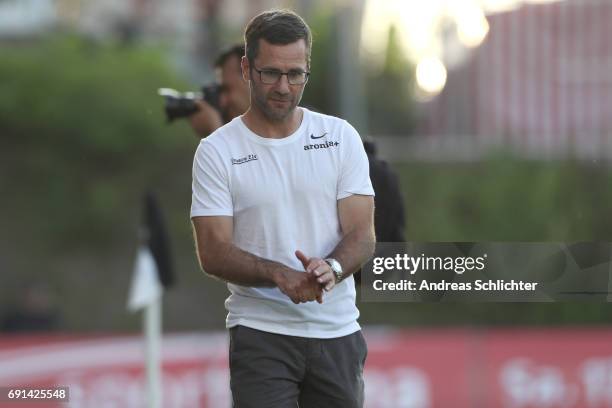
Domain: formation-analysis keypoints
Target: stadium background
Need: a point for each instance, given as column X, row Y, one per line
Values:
column 496, row 114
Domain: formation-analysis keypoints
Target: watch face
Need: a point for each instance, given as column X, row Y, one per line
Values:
column 333, row 264
column 335, row 267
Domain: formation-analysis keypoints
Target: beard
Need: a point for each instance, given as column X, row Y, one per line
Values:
column 274, row 105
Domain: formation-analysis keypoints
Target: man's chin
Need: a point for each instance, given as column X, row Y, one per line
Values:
column 277, row 114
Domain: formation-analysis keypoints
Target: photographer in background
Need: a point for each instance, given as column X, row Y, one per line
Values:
column 233, row 94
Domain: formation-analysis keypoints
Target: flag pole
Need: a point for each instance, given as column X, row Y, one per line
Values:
column 152, row 332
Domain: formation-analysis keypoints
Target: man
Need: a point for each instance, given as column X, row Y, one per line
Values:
column 389, row 219
column 282, row 210
column 233, row 97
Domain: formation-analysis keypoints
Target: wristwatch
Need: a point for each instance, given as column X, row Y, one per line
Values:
column 335, row 267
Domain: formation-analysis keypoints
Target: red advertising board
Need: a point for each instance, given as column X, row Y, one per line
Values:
column 548, row 368
column 404, row 369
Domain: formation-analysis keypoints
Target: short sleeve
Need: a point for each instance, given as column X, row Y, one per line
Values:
column 354, row 169
column 210, row 187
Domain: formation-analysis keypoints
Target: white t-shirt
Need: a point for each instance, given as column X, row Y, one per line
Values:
column 282, row 195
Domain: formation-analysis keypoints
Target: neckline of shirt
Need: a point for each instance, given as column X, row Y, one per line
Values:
column 272, row 141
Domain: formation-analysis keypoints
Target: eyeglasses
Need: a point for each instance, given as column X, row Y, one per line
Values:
column 272, row 76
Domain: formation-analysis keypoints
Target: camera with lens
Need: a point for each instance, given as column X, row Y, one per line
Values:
column 181, row 105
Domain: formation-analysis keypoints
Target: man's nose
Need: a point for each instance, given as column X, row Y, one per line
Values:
column 282, row 86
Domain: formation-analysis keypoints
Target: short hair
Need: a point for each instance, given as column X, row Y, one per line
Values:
column 235, row 50
column 278, row 27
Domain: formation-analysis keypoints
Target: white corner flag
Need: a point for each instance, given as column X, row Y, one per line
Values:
column 145, row 288
column 146, row 293
column 152, row 273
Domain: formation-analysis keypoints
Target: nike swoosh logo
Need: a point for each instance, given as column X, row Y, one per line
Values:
column 317, row 137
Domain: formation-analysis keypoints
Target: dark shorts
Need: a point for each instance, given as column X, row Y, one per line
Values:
column 276, row 371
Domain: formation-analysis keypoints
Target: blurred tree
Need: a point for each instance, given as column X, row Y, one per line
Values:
column 317, row 94
column 506, row 199
column 81, row 128
column 390, row 99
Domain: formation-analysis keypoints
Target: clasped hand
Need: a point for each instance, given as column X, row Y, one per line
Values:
column 305, row 287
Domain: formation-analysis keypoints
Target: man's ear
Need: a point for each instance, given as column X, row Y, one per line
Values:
column 246, row 69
